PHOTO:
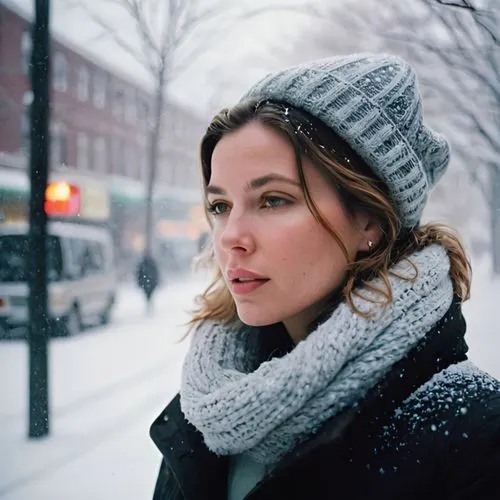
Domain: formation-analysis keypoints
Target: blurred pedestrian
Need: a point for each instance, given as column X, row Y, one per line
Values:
column 147, row 277
column 327, row 357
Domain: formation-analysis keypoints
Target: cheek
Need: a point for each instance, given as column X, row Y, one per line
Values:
column 309, row 248
column 312, row 253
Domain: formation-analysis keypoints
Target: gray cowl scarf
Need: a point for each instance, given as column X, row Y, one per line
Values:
column 266, row 409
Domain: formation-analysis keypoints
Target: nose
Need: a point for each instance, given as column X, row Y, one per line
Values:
column 236, row 236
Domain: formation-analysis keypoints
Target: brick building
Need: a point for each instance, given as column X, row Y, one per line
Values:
column 99, row 117
column 99, row 131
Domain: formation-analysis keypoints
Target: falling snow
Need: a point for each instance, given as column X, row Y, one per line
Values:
column 108, row 384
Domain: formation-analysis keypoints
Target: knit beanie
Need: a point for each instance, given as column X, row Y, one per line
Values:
column 372, row 101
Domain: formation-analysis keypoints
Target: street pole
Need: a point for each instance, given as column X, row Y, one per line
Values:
column 37, row 272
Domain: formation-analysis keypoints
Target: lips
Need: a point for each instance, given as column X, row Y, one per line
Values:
column 243, row 281
column 247, row 286
column 238, row 273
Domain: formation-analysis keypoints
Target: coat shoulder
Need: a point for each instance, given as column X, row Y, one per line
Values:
column 448, row 434
column 462, row 395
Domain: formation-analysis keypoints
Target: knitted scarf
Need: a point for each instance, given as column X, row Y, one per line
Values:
column 265, row 409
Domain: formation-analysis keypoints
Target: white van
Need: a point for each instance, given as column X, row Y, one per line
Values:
column 81, row 275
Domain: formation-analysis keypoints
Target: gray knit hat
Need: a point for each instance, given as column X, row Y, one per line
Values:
column 372, row 101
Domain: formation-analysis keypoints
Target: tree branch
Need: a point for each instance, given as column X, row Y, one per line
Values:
column 463, row 4
column 108, row 30
column 478, row 15
column 136, row 12
column 459, row 103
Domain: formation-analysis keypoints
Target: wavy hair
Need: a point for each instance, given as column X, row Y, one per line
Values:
column 358, row 189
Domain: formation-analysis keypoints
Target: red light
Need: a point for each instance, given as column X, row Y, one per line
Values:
column 62, row 198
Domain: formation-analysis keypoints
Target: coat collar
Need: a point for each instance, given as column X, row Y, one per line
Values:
column 194, row 466
column 198, row 470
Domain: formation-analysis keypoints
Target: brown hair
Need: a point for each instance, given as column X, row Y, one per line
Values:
column 358, row 189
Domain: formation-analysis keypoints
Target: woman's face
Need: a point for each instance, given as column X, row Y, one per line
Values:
column 278, row 262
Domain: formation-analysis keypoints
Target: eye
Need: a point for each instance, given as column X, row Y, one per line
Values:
column 274, row 202
column 217, row 208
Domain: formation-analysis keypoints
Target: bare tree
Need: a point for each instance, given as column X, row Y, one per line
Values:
column 475, row 32
column 469, row 51
column 164, row 31
column 455, row 49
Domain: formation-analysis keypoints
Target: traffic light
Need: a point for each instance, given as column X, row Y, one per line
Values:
column 62, row 198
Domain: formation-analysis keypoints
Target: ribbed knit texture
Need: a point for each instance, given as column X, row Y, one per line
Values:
column 372, row 101
column 265, row 410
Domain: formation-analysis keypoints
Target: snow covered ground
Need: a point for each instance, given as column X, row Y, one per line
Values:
column 108, row 384
column 106, row 387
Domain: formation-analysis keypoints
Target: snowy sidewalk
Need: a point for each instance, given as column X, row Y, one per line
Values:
column 106, row 387
column 108, row 384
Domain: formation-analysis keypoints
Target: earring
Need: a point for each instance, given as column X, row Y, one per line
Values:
column 370, row 245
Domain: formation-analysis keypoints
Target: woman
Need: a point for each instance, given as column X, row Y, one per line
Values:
column 328, row 358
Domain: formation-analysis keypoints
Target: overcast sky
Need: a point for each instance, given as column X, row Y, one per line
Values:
column 233, row 61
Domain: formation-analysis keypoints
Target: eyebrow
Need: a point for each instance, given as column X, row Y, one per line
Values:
column 255, row 183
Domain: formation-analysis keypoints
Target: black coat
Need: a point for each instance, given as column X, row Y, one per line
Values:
column 430, row 429
column 147, row 275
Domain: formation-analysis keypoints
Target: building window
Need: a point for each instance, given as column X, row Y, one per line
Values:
column 143, row 160
column 25, row 51
column 100, row 155
column 118, row 154
column 133, row 167
column 82, row 151
column 26, row 122
column 118, row 102
column 130, row 106
column 143, row 109
column 60, row 72
column 25, row 132
column 99, row 89
column 130, row 161
column 83, row 83
column 104, row 152
column 128, row 164
column 58, row 145
column 28, row 98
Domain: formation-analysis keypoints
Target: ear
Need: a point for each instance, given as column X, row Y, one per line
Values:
column 370, row 233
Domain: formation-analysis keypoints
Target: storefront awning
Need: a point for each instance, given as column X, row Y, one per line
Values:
column 14, row 183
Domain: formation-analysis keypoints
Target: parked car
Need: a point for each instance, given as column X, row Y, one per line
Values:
column 81, row 275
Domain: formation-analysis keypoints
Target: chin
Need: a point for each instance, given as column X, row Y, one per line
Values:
column 252, row 317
